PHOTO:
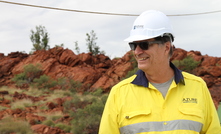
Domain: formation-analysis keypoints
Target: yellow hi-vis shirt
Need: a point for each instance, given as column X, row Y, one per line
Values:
column 134, row 106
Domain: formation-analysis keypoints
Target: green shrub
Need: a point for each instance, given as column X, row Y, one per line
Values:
column 87, row 119
column 10, row 125
column 44, row 82
column 75, row 86
column 49, row 123
column 32, row 75
column 187, row 64
column 43, row 107
column 104, row 98
column 98, row 92
column 76, row 102
column 64, row 127
column 30, row 72
column 20, row 79
column 33, row 69
column 62, row 82
column 69, row 84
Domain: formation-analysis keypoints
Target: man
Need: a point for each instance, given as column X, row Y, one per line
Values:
column 159, row 98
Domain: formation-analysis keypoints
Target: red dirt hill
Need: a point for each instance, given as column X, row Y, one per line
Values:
column 100, row 71
column 93, row 71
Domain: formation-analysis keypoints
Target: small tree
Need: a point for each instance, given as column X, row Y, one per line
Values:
column 77, row 49
column 91, row 43
column 40, row 38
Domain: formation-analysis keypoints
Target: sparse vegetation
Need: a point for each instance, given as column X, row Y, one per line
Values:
column 49, row 123
column 29, row 74
column 87, row 115
column 75, row 86
column 85, row 110
column 10, row 90
column 44, row 82
column 35, row 92
column 63, row 126
column 21, row 104
column 10, row 125
column 188, row 64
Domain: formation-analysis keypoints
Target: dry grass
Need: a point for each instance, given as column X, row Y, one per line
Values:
column 53, row 116
column 35, row 92
column 10, row 90
column 22, row 104
column 57, row 94
column 10, row 125
column 3, row 108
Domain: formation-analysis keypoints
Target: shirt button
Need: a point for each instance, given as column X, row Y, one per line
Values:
column 127, row 117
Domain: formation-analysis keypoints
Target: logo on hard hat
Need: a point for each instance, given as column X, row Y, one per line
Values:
column 138, row 27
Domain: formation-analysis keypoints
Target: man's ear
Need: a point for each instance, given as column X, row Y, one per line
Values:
column 167, row 47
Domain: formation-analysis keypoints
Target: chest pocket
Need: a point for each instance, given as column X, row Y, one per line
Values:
column 133, row 114
column 191, row 113
column 135, row 117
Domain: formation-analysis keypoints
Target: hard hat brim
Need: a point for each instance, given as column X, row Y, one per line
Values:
column 138, row 38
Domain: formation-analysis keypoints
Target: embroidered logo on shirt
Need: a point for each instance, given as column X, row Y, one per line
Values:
column 189, row 100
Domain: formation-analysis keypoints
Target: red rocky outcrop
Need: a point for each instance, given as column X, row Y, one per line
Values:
column 99, row 71
column 93, row 71
column 58, row 62
column 7, row 63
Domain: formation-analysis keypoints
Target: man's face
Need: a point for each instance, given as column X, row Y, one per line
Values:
column 152, row 58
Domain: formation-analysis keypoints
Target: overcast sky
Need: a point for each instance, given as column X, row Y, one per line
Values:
column 195, row 32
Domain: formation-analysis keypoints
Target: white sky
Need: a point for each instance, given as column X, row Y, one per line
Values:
column 197, row 32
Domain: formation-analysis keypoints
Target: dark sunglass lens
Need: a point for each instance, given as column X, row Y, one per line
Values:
column 133, row 45
column 144, row 45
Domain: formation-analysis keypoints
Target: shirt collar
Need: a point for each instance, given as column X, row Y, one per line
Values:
column 143, row 81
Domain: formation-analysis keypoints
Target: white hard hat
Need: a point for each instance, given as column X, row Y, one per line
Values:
column 148, row 25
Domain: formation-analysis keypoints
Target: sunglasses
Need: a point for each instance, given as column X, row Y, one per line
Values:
column 144, row 45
